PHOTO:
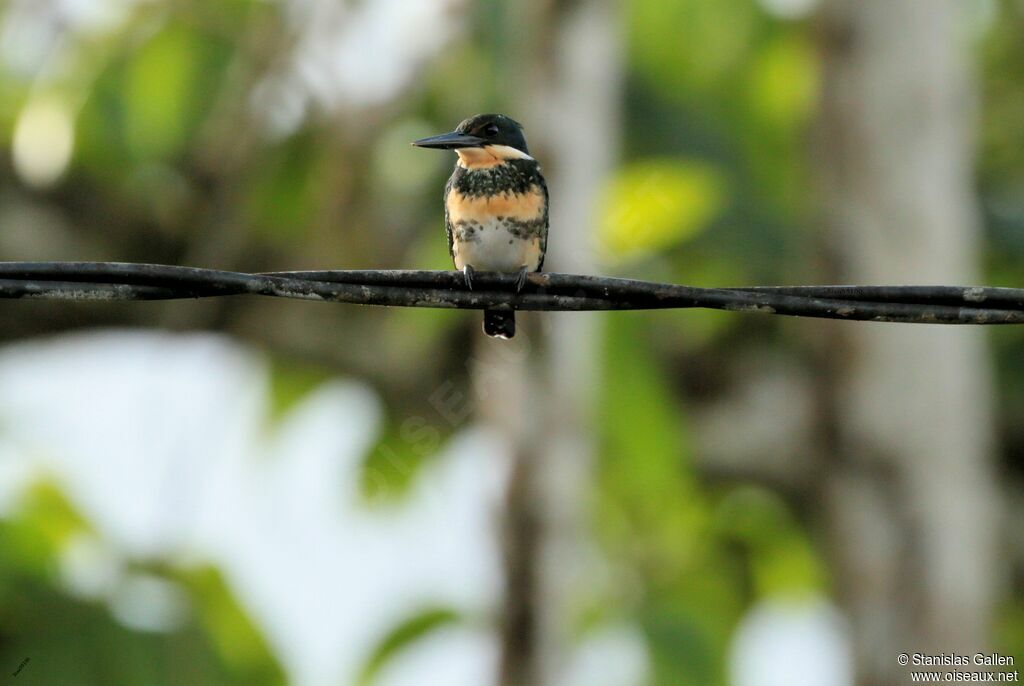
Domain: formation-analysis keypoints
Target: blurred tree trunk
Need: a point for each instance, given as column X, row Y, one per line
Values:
column 910, row 493
column 569, row 73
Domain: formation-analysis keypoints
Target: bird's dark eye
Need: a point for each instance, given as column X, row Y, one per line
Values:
column 491, row 130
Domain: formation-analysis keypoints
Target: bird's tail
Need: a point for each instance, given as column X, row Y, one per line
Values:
column 500, row 323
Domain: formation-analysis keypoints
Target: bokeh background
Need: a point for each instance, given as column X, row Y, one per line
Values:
column 254, row 491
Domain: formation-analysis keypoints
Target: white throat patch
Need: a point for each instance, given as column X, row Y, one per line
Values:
column 489, row 156
column 506, row 152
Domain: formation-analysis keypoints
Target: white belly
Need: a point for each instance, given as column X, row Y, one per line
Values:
column 492, row 248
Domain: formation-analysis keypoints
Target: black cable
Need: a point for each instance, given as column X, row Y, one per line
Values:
column 545, row 291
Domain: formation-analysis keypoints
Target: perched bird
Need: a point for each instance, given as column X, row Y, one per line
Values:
column 495, row 205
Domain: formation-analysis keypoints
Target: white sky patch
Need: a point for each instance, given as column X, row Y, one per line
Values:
column 33, row 32
column 280, row 104
column 791, row 642
column 615, row 655
column 429, row 656
column 349, row 56
column 145, row 602
column 88, row 568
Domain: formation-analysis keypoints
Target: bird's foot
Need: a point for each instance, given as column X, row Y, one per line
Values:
column 521, row 279
column 467, row 274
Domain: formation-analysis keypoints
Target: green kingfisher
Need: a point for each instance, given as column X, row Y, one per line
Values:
column 495, row 205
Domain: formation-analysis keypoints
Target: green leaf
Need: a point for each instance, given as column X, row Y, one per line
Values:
column 44, row 522
column 239, row 643
column 681, row 654
column 783, row 82
column 682, row 46
column 159, row 91
column 282, row 190
column 402, row 636
column 783, row 561
column 653, row 508
column 654, row 204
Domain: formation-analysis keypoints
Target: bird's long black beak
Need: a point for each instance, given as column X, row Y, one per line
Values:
column 450, row 141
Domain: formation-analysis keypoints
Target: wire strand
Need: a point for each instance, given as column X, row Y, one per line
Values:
column 543, row 291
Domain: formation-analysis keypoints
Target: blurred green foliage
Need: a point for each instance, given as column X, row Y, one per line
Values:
column 656, row 204
column 714, row 189
column 72, row 640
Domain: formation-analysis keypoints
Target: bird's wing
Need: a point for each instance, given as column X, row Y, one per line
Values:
column 447, row 219
column 544, row 230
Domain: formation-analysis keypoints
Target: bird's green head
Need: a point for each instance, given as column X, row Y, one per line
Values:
column 496, row 135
